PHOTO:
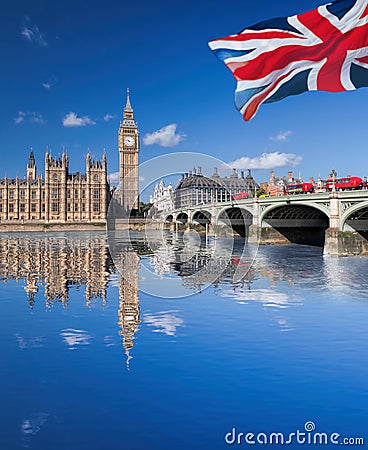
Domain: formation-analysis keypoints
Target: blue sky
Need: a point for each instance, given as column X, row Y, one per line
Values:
column 72, row 61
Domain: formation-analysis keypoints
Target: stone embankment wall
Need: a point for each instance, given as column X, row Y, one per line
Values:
column 345, row 243
column 37, row 227
column 334, row 242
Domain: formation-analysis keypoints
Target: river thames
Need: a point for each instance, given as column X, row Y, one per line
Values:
column 94, row 358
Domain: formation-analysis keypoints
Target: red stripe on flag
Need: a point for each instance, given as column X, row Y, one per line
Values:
column 363, row 60
column 254, row 104
column 261, row 35
column 334, row 50
column 365, row 13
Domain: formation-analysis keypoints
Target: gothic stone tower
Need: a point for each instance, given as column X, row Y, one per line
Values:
column 31, row 167
column 56, row 175
column 128, row 141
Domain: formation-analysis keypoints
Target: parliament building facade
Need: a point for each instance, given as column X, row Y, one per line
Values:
column 58, row 196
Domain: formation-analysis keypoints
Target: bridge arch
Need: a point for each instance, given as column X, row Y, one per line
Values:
column 355, row 210
column 202, row 217
column 182, row 217
column 313, row 205
column 356, row 218
column 236, row 217
column 169, row 218
column 220, row 213
column 297, row 222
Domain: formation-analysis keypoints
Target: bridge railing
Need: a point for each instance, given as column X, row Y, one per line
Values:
column 358, row 193
column 305, row 198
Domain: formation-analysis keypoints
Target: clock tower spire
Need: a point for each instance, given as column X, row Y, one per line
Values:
column 128, row 142
column 128, row 107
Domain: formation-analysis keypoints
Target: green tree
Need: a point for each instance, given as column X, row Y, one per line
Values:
column 144, row 208
column 261, row 191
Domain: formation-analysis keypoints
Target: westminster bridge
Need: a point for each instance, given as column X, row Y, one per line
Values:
column 337, row 221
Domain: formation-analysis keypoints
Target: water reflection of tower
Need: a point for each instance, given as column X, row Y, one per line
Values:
column 56, row 260
column 129, row 301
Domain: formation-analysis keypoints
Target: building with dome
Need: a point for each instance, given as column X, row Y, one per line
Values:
column 195, row 189
column 162, row 199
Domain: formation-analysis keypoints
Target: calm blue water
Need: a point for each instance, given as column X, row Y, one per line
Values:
column 89, row 362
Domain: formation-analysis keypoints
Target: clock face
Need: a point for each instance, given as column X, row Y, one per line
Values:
column 129, row 141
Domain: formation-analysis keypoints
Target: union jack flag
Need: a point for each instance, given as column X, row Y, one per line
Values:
column 324, row 49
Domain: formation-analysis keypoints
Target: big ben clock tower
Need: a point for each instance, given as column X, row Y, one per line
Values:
column 128, row 141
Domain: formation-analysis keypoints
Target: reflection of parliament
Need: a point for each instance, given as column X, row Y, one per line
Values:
column 61, row 264
column 62, row 197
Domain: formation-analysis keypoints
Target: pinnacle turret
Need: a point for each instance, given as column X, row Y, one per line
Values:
column 128, row 116
column 31, row 167
column 128, row 106
column 31, row 161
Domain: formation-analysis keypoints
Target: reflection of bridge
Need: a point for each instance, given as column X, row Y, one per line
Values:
column 336, row 220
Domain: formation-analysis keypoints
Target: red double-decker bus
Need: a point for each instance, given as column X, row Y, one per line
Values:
column 345, row 183
column 299, row 188
column 240, row 196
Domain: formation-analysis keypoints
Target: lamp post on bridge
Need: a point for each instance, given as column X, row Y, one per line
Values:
column 334, row 174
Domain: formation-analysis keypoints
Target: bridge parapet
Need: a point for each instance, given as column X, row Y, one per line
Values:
column 334, row 212
column 338, row 206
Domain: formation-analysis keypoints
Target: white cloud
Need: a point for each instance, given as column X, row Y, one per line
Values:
column 33, row 424
column 165, row 322
column 32, row 33
column 114, row 178
column 268, row 297
column 109, row 341
column 165, row 137
column 72, row 120
column 282, row 136
column 34, row 342
column 108, row 117
column 266, row 161
column 30, row 117
column 49, row 83
column 74, row 337
column 20, row 118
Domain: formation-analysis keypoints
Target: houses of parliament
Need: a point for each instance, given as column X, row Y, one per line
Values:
column 58, row 196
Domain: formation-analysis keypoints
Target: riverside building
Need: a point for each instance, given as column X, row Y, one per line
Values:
column 194, row 188
column 57, row 196
column 162, row 199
